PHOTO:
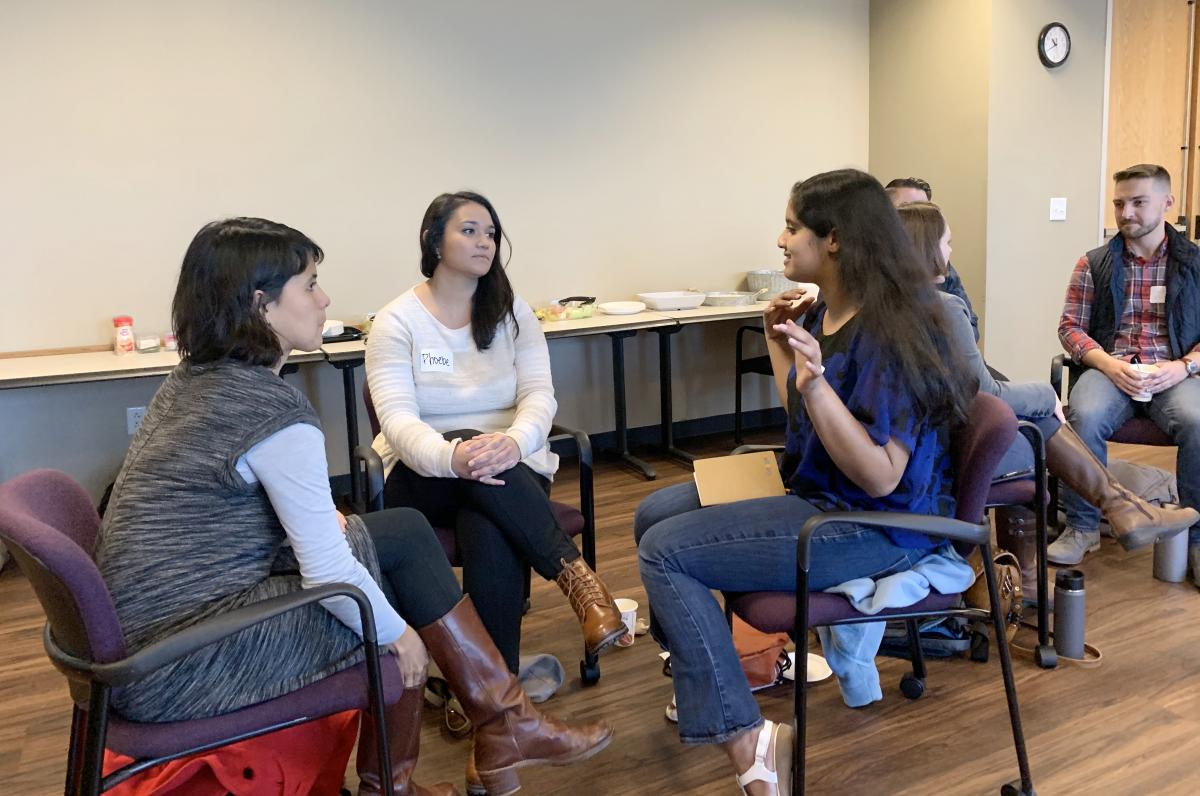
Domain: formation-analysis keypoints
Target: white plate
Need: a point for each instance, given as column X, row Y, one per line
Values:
column 621, row 307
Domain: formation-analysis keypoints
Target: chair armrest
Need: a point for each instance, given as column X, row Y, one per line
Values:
column 189, row 640
column 583, row 443
column 740, row 449
column 587, row 489
column 1056, row 369
column 370, row 497
column 942, row 527
column 1033, row 435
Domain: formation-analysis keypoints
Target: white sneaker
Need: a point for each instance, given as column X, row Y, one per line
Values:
column 1070, row 548
column 673, row 712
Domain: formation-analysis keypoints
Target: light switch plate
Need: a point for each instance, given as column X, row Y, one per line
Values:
column 1058, row 208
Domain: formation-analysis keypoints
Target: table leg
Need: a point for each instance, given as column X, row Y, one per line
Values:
column 618, row 357
column 350, row 395
column 666, row 411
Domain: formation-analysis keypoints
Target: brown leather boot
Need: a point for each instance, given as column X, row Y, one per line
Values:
column 474, row 783
column 403, row 721
column 510, row 733
column 1016, row 532
column 592, row 603
column 1134, row 522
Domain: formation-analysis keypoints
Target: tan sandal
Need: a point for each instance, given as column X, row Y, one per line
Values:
column 781, row 777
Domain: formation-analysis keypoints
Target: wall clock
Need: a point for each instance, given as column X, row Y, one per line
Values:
column 1054, row 45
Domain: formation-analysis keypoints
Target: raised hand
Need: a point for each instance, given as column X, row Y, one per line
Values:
column 787, row 306
column 807, row 352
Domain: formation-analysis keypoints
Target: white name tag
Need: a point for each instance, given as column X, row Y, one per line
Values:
column 437, row 361
column 1158, row 294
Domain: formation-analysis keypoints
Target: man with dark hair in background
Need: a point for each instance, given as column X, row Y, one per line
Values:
column 903, row 190
column 1135, row 299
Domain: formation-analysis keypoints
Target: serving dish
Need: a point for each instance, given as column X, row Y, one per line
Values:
column 672, row 299
column 731, row 298
column 567, row 309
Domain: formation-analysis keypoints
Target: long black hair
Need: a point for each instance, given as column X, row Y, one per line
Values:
column 214, row 313
column 493, row 299
column 880, row 272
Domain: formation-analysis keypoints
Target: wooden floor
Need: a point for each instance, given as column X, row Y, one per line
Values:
column 1131, row 726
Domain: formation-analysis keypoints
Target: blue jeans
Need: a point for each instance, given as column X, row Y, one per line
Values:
column 1098, row 408
column 685, row 551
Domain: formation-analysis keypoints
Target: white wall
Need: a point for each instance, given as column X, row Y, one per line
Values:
column 929, row 115
column 1045, row 133
column 628, row 146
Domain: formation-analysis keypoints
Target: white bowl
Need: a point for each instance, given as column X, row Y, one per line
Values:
column 672, row 300
column 621, row 307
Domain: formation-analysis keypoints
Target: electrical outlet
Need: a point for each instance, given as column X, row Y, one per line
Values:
column 133, row 418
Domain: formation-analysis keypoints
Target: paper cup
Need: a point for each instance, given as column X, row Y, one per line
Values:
column 628, row 609
column 1147, row 370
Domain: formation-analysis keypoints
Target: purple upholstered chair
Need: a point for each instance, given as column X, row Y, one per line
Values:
column 976, row 451
column 575, row 521
column 49, row 525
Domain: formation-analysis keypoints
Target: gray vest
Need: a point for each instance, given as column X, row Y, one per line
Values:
column 184, row 536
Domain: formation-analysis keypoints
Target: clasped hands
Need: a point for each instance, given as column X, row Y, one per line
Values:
column 483, row 457
column 1131, row 381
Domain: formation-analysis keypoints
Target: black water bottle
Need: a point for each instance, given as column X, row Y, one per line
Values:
column 1069, row 613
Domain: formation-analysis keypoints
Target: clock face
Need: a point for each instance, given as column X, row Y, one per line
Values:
column 1054, row 44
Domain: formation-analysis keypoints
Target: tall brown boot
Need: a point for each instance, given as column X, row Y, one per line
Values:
column 474, row 783
column 403, row 721
column 592, row 603
column 1134, row 522
column 1016, row 532
column 510, row 733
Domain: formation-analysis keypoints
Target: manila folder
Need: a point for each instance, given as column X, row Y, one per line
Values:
column 725, row 479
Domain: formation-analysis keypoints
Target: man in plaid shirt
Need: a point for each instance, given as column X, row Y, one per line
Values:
column 1136, row 297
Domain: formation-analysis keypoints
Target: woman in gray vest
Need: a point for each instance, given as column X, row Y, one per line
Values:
column 223, row 500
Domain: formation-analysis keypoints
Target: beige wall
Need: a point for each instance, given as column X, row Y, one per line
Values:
column 1045, row 129
column 629, row 146
column 929, row 114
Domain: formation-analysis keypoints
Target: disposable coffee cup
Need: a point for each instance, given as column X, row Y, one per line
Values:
column 628, row 609
column 1147, row 370
column 1171, row 558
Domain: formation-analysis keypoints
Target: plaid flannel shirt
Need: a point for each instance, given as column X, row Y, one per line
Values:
column 1141, row 325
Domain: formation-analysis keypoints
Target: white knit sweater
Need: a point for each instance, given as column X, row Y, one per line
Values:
column 427, row 379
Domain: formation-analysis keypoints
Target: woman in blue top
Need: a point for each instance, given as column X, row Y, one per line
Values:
column 871, row 399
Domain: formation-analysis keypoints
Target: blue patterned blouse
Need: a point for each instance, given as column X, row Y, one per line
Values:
column 871, row 388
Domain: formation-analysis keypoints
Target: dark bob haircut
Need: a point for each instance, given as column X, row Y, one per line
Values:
column 494, row 297
column 215, row 314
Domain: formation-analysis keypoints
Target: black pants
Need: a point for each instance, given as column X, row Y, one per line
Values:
column 501, row 532
column 417, row 579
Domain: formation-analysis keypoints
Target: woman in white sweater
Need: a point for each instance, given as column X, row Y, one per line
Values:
column 460, row 378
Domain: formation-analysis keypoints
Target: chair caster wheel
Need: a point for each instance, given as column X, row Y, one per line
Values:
column 589, row 674
column 1045, row 656
column 1014, row 789
column 912, row 686
column 979, row 647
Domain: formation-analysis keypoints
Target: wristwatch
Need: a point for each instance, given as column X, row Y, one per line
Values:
column 1192, row 365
